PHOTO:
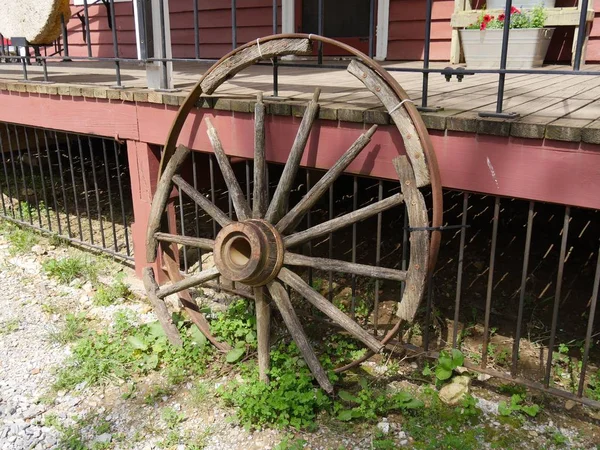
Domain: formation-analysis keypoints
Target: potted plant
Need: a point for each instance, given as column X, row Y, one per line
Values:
column 527, row 44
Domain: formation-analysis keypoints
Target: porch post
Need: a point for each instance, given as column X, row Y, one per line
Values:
column 288, row 19
column 159, row 74
column 143, row 167
column 383, row 24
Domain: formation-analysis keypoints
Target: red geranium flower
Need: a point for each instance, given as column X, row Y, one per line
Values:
column 487, row 18
column 515, row 10
column 501, row 17
column 483, row 25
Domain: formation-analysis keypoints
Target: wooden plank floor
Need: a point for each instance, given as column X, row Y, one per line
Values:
column 560, row 107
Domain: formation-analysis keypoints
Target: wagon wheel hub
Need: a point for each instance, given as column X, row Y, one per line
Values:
column 250, row 252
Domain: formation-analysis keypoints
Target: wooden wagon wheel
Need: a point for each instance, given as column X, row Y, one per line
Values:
column 254, row 249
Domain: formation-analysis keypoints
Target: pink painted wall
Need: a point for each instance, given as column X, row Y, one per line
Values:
column 254, row 19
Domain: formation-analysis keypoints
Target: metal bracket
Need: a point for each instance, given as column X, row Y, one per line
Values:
column 459, row 72
column 504, row 115
column 106, row 4
column 82, row 20
column 429, row 108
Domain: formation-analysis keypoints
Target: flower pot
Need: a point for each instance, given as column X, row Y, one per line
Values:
column 523, row 4
column 527, row 47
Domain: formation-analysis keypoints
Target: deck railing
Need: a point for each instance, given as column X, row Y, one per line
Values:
column 59, row 51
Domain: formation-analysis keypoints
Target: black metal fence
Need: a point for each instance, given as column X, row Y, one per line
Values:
column 515, row 288
column 60, row 49
column 70, row 185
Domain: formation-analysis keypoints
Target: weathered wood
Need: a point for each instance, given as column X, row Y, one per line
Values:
column 233, row 64
column 189, row 306
column 159, row 202
column 419, row 240
column 400, row 116
column 260, row 196
column 318, row 301
column 209, row 207
column 160, row 309
column 263, row 332
column 280, row 197
column 189, row 282
column 282, row 300
column 205, row 244
column 237, row 196
column 343, row 221
column 291, row 219
column 334, row 265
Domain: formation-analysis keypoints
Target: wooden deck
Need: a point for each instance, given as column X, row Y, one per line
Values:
column 557, row 107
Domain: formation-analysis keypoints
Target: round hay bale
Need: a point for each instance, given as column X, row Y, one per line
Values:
column 36, row 20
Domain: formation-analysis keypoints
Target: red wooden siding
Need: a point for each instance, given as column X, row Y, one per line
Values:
column 254, row 19
column 407, row 32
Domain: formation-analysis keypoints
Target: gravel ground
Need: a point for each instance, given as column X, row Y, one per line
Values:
column 32, row 307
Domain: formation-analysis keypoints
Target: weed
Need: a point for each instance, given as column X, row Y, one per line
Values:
column 73, row 328
column 129, row 349
column 512, row 389
column 68, row 269
column 113, row 293
column 290, row 443
column 594, row 386
column 200, row 393
column 447, row 362
column 290, row 399
column 516, row 406
column 9, row 326
column 369, row 403
column 156, row 394
column 171, row 417
column 559, row 439
column 317, row 284
column 381, row 441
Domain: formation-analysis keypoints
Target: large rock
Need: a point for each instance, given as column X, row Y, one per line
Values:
column 453, row 392
column 36, row 20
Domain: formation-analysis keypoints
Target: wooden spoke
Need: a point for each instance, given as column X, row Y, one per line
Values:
column 160, row 308
column 340, row 222
column 291, row 219
column 278, row 203
column 419, row 240
column 263, row 331
column 334, row 265
column 318, row 301
column 208, row 206
column 260, row 196
column 205, row 244
column 163, row 190
column 191, row 281
column 237, row 196
column 282, row 300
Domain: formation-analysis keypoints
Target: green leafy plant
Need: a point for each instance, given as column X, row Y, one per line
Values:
column 171, row 417
column 517, row 406
column 290, row 399
column 370, row 403
column 9, row 326
column 130, row 349
column 236, row 326
column 290, row 443
column 67, row 269
column 20, row 240
column 73, row 328
column 447, row 362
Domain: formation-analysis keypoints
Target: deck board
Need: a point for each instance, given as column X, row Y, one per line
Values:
column 558, row 107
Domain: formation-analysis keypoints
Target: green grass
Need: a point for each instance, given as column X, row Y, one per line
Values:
column 127, row 350
column 74, row 327
column 9, row 326
column 113, row 293
column 67, row 269
column 20, row 239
